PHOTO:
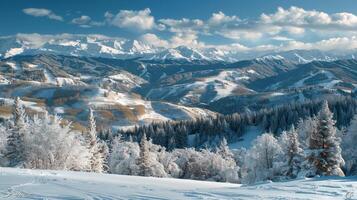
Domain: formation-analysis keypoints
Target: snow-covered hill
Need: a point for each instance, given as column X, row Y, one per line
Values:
column 45, row 184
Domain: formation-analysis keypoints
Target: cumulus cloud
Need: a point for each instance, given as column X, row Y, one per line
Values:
column 186, row 39
column 183, row 25
column 298, row 19
column 154, row 40
column 178, row 39
column 42, row 12
column 231, row 27
column 85, row 21
column 220, row 17
column 137, row 20
column 292, row 23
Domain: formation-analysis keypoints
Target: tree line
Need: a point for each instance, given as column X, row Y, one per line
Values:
column 315, row 147
column 209, row 131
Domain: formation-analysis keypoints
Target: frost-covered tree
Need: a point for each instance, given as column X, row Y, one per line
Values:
column 324, row 153
column 167, row 159
column 261, row 159
column 205, row 165
column 293, row 154
column 349, row 149
column 4, row 134
column 224, row 150
column 147, row 161
column 305, row 128
column 96, row 148
column 19, row 113
column 51, row 145
column 144, row 159
column 123, row 157
column 15, row 147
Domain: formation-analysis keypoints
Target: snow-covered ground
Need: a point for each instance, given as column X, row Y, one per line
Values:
column 44, row 184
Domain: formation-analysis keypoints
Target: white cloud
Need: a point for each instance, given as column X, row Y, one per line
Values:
column 332, row 44
column 137, row 20
column 220, row 17
column 42, row 12
column 281, row 38
column 293, row 23
column 295, row 17
column 153, row 40
column 186, row 39
column 183, row 25
column 85, row 21
column 218, row 24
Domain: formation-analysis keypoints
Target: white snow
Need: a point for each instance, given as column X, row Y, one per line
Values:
column 13, row 52
column 251, row 71
column 49, row 77
column 30, row 65
column 127, row 78
column 245, row 142
column 61, row 81
column 69, row 43
column 224, row 83
column 276, row 94
column 46, row 184
column 13, row 65
column 326, row 84
column 108, row 50
column 3, row 80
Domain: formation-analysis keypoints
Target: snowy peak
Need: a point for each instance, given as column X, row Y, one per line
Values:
column 114, row 47
column 102, row 46
column 306, row 56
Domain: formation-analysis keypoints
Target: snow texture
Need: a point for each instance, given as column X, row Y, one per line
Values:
column 46, row 184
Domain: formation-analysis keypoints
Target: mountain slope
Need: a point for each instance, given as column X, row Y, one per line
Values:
column 46, row 184
column 69, row 86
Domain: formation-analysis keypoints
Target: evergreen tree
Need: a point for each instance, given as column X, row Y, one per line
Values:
column 97, row 151
column 324, row 146
column 144, row 157
column 293, row 153
column 349, row 150
column 224, row 150
column 15, row 141
column 19, row 113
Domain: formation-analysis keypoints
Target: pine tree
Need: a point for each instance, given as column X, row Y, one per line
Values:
column 324, row 146
column 224, row 150
column 15, row 147
column 293, row 153
column 144, row 158
column 349, row 150
column 97, row 151
column 19, row 114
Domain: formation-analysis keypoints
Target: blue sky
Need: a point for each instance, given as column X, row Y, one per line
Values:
column 237, row 24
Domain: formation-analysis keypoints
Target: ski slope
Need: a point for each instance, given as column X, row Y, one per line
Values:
column 45, row 184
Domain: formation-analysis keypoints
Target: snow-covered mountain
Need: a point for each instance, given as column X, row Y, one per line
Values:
column 306, row 56
column 115, row 47
column 101, row 46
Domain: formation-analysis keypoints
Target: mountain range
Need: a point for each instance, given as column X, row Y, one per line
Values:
column 120, row 48
column 130, row 83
